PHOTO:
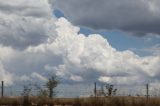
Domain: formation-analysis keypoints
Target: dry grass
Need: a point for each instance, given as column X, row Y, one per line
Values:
column 108, row 101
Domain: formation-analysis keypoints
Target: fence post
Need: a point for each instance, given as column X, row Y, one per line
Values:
column 147, row 91
column 95, row 90
column 2, row 89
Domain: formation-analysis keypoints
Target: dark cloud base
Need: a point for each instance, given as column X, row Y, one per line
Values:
column 134, row 16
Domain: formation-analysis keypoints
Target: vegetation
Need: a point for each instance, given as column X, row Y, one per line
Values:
column 45, row 98
column 51, row 85
column 105, row 101
column 26, row 92
column 111, row 90
column 44, row 94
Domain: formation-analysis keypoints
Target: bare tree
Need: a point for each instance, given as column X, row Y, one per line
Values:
column 111, row 90
column 26, row 92
column 51, row 85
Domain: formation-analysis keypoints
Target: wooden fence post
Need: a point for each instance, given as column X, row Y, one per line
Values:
column 2, row 89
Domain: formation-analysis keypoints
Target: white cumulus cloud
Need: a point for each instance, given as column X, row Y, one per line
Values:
column 93, row 58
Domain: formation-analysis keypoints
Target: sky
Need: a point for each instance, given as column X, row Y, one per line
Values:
column 80, row 41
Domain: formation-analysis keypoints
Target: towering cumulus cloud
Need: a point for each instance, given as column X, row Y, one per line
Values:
column 33, row 43
column 92, row 58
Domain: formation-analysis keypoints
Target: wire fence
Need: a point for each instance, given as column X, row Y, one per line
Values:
column 86, row 90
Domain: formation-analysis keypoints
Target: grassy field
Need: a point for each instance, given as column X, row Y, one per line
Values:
column 108, row 101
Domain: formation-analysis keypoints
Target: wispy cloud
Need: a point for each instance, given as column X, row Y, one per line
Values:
column 154, row 50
